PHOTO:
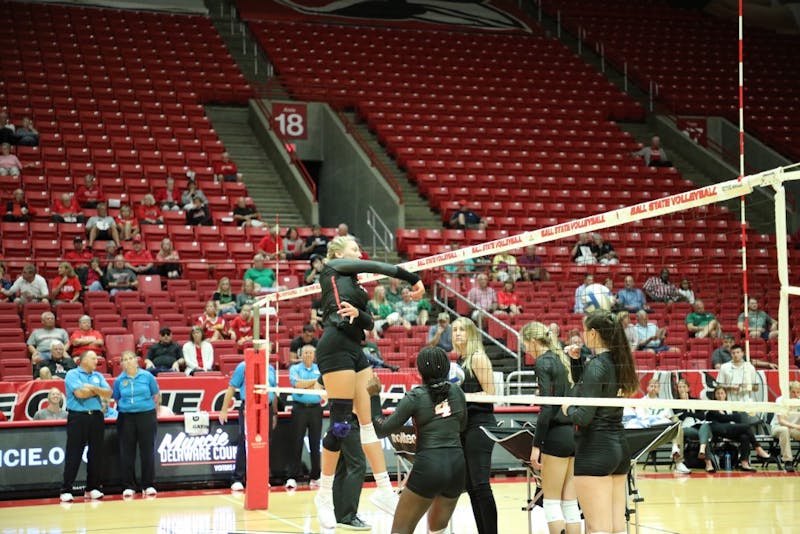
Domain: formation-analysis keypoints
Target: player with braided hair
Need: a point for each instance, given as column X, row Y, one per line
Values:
column 439, row 411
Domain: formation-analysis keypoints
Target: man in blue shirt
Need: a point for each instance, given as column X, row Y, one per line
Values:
column 631, row 298
column 441, row 335
column 84, row 388
column 306, row 416
column 236, row 384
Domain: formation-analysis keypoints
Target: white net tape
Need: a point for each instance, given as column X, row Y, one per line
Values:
column 655, row 208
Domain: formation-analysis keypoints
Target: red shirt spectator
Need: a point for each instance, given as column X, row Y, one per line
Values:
column 87, row 338
column 151, row 214
column 271, row 244
column 67, row 209
column 226, row 170
column 168, row 197
column 79, row 257
column 17, row 209
column 139, row 260
column 65, row 287
column 89, row 195
column 213, row 325
column 241, row 328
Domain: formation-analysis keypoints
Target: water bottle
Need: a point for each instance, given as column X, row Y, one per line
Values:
column 727, row 461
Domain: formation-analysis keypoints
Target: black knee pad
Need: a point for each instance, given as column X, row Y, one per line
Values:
column 341, row 424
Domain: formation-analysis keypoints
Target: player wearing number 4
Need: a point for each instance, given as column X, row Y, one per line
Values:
column 439, row 411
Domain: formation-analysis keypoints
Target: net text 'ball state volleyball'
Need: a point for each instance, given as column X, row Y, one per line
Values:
column 597, row 297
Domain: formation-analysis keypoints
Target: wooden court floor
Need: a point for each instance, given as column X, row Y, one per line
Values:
column 731, row 503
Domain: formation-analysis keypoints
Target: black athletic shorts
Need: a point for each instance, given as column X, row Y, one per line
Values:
column 559, row 441
column 438, row 472
column 338, row 352
column 601, row 453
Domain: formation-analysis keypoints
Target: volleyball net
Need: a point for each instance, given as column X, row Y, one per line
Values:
column 696, row 204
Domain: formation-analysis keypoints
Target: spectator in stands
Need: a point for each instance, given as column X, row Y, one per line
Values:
column 466, row 265
column 738, row 377
column 760, row 324
column 316, row 243
column 241, row 327
column 29, row 287
column 582, row 251
column 168, row 197
column 484, row 298
column 306, row 337
column 727, row 424
column 555, row 333
column 9, row 163
column 18, row 209
column 722, row 354
column 102, row 226
column 311, row 275
column 140, row 260
column 54, row 409
column 603, row 252
column 685, row 289
column 89, row 195
column 213, row 325
column 57, row 365
column 504, row 267
column 394, row 293
column 507, row 300
column 292, row 244
column 271, row 245
column 7, row 128
column 127, row 223
column 263, row 276
column 224, row 298
column 695, row 427
column 465, row 218
column 95, row 276
column 164, row 356
column 665, row 414
column 701, row 323
column 576, row 342
column 659, row 289
column 66, row 209
column 248, row 295
column 167, row 259
column 66, row 287
column 441, row 334
column 79, row 257
column 226, row 170
column 588, row 279
column 198, row 214
column 198, row 354
column 246, row 214
column 192, row 192
column 5, row 281
column 147, row 212
column 41, row 338
column 785, row 427
column 654, row 155
column 649, row 337
column 373, row 354
column 624, row 319
column 26, row 135
column 109, row 412
column 85, row 338
column 631, row 298
column 410, row 310
column 119, row 277
column 383, row 314
column 306, row 416
column 532, row 266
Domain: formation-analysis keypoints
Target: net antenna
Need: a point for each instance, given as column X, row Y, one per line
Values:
column 742, row 213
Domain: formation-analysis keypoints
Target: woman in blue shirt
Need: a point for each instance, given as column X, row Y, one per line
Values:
column 136, row 392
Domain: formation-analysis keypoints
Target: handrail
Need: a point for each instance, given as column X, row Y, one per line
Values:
column 373, row 157
column 443, row 303
column 521, row 384
column 292, row 154
column 380, row 232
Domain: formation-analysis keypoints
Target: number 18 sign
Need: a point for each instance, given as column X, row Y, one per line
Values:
column 290, row 119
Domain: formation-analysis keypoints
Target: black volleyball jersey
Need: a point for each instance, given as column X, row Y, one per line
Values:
column 599, row 380
column 472, row 385
column 437, row 425
column 339, row 283
column 553, row 382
